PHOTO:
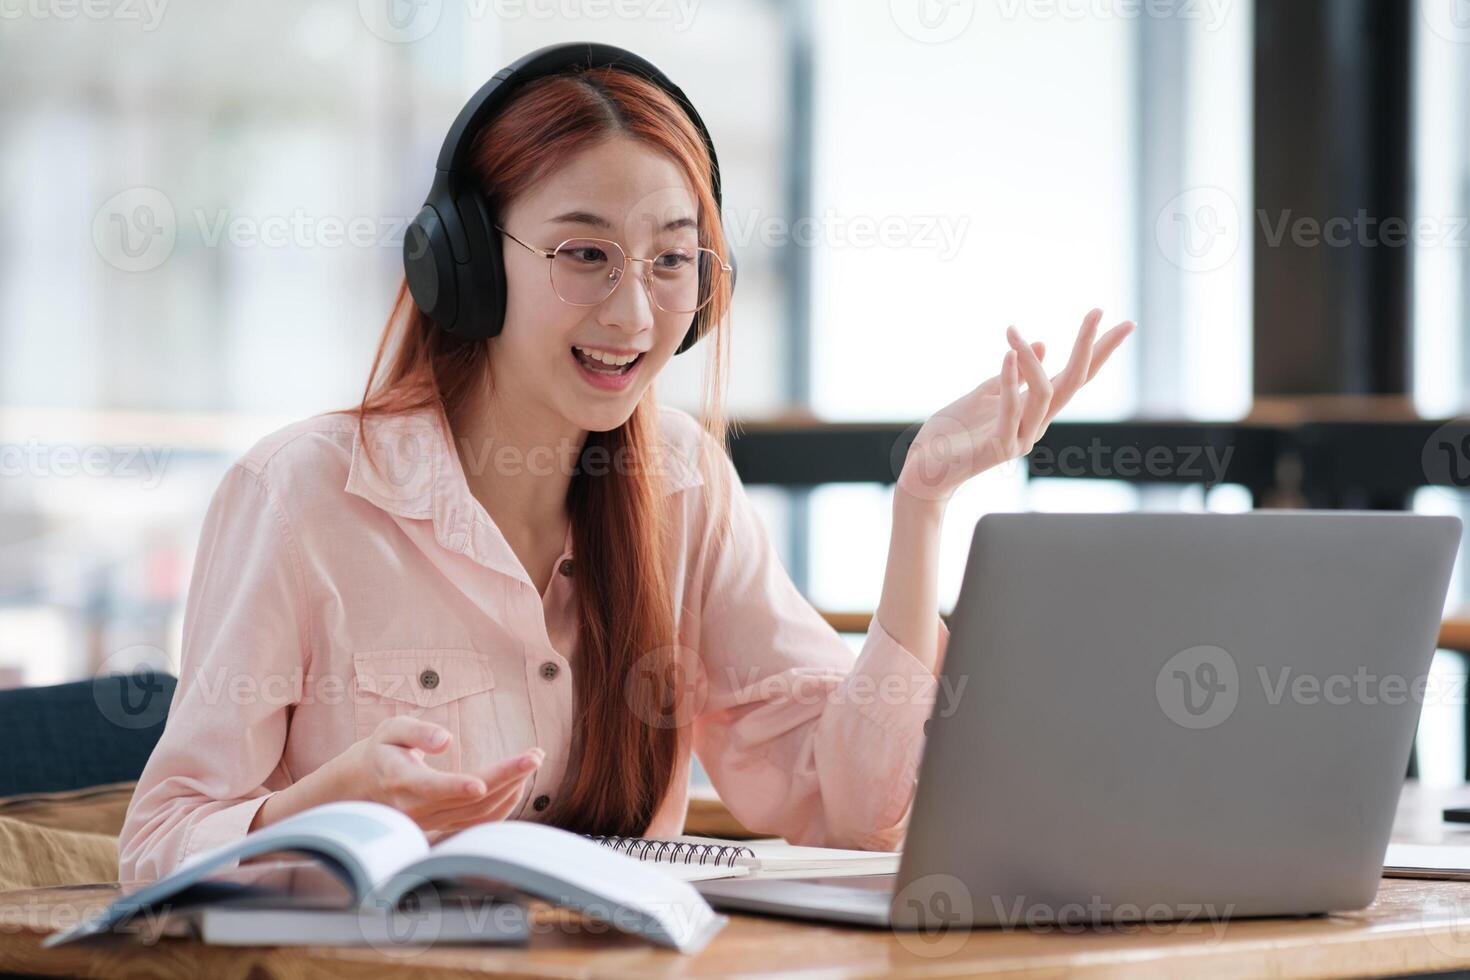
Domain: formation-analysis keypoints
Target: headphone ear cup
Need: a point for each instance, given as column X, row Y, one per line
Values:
column 481, row 279
column 428, row 263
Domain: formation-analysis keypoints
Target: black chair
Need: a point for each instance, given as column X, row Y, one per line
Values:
column 85, row 733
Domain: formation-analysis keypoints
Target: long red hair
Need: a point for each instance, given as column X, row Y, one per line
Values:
column 623, row 748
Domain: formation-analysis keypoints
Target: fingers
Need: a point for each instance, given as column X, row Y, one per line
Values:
column 508, row 775
column 413, row 733
column 1038, row 393
column 501, row 801
column 496, row 806
column 504, row 782
column 991, row 386
column 1079, row 365
column 418, row 784
column 1084, row 362
column 1010, row 395
column 1109, row 343
column 514, row 769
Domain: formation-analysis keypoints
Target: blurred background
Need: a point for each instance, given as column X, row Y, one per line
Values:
column 201, row 211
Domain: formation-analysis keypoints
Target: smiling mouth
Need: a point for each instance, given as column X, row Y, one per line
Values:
column 598, row 367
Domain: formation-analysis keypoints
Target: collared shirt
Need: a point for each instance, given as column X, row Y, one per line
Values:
column 328, row 594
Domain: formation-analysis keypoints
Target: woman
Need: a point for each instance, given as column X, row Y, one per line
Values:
column 509, row 584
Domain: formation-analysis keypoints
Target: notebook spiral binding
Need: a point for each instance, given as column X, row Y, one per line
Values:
column 653, row 849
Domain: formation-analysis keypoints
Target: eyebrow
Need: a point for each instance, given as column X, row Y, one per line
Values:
column 597, row 221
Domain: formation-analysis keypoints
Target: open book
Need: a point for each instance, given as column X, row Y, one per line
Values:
column 382, row 856
column 295, row 901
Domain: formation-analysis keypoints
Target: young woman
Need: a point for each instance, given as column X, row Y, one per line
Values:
column 509, row 584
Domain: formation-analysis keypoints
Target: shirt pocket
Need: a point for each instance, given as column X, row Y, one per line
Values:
column 449, row 687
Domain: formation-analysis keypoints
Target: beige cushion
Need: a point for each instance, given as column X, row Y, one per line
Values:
column 66, row 838
column 38, row 857
column 95, row 809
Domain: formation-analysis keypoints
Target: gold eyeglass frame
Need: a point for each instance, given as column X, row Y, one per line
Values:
column 550, row 253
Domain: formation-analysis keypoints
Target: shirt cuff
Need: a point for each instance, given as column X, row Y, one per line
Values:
column 223, row 827
column 890, row 686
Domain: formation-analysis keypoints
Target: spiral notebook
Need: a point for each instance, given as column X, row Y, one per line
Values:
column 702, row 858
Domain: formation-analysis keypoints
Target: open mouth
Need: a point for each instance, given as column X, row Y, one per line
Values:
column 598, row 367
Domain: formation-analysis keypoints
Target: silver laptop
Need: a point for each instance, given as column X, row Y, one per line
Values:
column 1160, row 716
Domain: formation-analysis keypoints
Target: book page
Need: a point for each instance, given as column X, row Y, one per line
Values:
column 567, row 869
column 373, row 840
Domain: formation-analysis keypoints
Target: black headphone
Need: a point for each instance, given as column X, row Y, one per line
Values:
column 451, row 251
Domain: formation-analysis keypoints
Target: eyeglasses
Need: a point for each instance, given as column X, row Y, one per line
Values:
column 585, row 271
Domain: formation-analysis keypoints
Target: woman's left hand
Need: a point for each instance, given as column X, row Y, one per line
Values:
column 995, row 422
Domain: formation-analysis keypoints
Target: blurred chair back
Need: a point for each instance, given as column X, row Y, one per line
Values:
column 85, row 733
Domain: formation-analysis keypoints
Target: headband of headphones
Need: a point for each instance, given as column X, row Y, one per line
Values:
column 452, row 252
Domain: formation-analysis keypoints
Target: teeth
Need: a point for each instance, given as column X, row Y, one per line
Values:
column 612, row 360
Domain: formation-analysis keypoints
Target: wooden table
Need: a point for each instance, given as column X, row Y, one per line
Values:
column 1454, row 633
column 1412, row 927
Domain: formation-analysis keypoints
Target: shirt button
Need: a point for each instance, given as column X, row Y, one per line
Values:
column 565, row 567
column 542, row 802
column 429, row 679
column 549, row 670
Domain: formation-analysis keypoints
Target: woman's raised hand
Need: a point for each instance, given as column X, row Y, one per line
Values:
column 996, row 421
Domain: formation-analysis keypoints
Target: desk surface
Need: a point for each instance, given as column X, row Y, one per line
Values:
column 1413, row 926
column 1454, row 633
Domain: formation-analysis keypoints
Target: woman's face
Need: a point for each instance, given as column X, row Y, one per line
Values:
column 619, row 190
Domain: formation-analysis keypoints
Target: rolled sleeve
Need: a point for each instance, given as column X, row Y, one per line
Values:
column 215, row 826
column 801, row 739
column 245, row 654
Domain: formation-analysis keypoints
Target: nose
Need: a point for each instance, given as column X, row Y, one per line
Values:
column 630, row 307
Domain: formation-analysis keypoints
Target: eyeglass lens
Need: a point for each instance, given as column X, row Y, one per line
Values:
column 682, row 279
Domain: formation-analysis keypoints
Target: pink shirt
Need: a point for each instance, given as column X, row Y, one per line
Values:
column 326, row 597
